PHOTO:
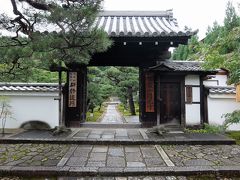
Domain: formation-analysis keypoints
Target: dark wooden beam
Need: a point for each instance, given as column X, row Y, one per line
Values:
column 131, row 54
column 171, row 41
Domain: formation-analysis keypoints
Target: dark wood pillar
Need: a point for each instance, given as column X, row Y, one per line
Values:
column 76, row 92
column 203, row 116
column 148, row 115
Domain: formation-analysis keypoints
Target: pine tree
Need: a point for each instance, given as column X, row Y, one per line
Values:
column 47, row 32
column 231, row 19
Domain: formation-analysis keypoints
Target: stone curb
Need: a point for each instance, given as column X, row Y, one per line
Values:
column 86, row 171
column 118, row 142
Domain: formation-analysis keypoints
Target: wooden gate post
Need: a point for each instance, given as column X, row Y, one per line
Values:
column 76, row 94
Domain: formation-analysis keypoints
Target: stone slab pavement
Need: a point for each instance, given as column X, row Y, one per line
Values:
column 132, row 119
column 112, row 115
column 72, row 160
column 120, row 136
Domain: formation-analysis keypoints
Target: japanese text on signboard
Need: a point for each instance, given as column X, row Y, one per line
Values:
column 149, row 87
column 72, row 97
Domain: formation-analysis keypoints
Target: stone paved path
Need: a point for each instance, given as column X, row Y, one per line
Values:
column 149, row 156
column 112, row 115
column 31, row 154
column 207, row 155
column 132, row 119
column 117, row 135
column 115, row 156
column 99, row 153
column 110, row 134
column 119, row 158
column 149, row 177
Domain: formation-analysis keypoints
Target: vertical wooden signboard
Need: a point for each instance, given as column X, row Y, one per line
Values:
column 72, row 94
column 149, row 90
column 238, row 93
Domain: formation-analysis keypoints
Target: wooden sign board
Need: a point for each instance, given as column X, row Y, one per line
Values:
column 149, row 90
column 72, row 94
column 238, row 93
column 189, row 94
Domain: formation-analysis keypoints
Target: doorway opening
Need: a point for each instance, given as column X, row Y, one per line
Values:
column 112, row 96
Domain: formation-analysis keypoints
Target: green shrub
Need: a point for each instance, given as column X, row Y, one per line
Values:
column 195, row 131
column 5, row 112
column 231, row 118
column 215, row 129
column 234, row 135
column 96, row 114
column 125, row 109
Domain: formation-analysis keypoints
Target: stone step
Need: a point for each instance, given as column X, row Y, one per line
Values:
column 167, row 139
column 111, row 172
column 110, row 125
column 173, row 128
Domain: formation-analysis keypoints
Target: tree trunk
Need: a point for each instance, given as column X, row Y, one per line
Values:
column 100, row 105
column 130, row 101
column 92, row 110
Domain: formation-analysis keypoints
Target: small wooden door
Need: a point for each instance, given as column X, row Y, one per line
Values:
column 170, row 103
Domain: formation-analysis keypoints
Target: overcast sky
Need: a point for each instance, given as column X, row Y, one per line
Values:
column 196, row 14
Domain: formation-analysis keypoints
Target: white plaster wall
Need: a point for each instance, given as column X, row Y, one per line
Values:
column 210, row 82
column 193, row 110
column 222, row 80
column 38, row 107
column 196, row 94
column 219, row 105
column 218, row 80
column 193, row 114
column 192, row 80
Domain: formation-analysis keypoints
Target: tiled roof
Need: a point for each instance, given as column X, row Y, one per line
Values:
column 140, row 24
column 33, row 87
column 170, row 65
column 222, row 89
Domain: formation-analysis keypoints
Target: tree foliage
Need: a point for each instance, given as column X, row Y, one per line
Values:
column 220, row 48
column 99, row 88
column 48, row 31
column 104, row 82
column 224, row 50
column 127, row 82
column 231, row 118
column 184, row 52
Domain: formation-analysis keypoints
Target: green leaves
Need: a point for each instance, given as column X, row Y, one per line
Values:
column 186, row 52
column 104, row 82
column 224, row 53
column 219, row 49
column 63, row 32
column 231, row 19
column 232, row 118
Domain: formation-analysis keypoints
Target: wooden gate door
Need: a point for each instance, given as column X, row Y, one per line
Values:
column 170, row 103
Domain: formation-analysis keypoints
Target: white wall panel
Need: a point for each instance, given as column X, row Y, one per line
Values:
column 196, row 94
column 192, row 80
column 219, row 105
column 28, row 108
column 193, row 114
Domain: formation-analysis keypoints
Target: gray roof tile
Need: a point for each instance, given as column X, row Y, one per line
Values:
column 170, row 65
column 221, row 89
column 140, row 24
column 26, row 87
